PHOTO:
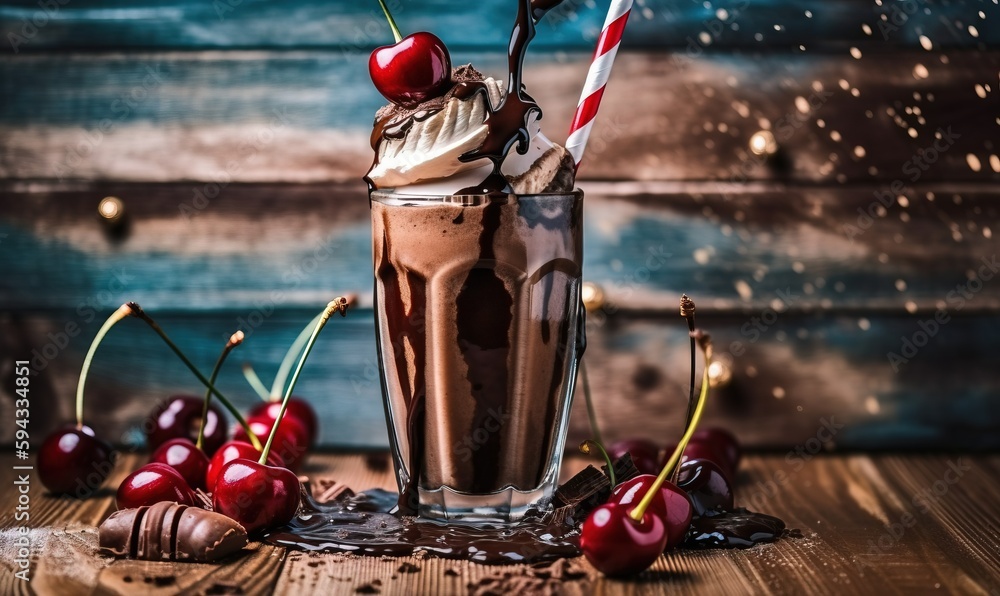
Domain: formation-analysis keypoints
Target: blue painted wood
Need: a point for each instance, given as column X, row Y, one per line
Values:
column 347, row 25
column 710, row 76
column 799, row 370
column 645, row 244
column 305, row 116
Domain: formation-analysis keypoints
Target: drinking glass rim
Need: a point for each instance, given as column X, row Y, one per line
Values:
column 395, row 197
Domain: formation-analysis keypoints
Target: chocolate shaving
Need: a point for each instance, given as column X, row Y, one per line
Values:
column 224, row 588
column 541, row 578
column 204, row 498
column 395, row 113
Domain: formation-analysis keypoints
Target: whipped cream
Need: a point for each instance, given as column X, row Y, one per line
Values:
column 425, row 159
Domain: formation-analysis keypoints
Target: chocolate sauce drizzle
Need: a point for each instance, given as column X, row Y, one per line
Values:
column 484, row 316
column 410, row 327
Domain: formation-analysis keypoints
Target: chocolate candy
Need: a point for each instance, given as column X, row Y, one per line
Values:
column 170, row 532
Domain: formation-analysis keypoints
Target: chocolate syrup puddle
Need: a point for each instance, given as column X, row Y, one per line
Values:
column 361, row 525
column 739, row 528
column 368, row 524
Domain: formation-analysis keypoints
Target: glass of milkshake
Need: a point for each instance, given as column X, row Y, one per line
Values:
column 477, row 252
column 479, row 337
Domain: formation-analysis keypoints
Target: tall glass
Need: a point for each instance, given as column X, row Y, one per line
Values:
column 479, row 332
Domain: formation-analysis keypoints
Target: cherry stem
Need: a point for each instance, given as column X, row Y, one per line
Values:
column 392, row 23
column 278, row 386
column 640, row 509
column 122, row 312
column 141, row 314
column 687, row 311
column 587, row 446
column 591, row 413
column 234, row 340
column 255, row 383
column 338, row 304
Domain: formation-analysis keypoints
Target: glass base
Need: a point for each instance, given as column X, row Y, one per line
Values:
column 504, row 506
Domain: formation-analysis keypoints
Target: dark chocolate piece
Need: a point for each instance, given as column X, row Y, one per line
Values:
column 170, row 531
column 579, row 495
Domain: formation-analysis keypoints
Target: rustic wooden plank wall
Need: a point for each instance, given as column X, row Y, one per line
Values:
column 237, row 141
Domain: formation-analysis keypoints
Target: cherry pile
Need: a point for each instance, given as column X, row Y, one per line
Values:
column 251, row 477
column 649, row 514
column 714, row 444
column 617, row 544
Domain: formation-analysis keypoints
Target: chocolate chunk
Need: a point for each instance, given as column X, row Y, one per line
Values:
column 408, row 568
column 579, row 495
column 169, row 531
column 333, row 491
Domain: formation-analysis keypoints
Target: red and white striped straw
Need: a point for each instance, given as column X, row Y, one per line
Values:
column 597, row 78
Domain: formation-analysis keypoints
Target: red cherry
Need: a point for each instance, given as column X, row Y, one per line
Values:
column 724, row 443
column 259, row 497
column 180, row 416
column 182, row 455
column 235, row 450
column 297, row 408
column 707, row 485
column 673, row 506
column 290, row 443
column 74, row 461
column 411, row 71
column 645, row 454
column 616, row 544
column 153, row 483
column 711, row 452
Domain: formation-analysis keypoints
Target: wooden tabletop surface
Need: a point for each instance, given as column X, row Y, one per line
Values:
column 869, row 524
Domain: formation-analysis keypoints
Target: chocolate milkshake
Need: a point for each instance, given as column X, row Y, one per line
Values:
column 477, row 326
column 477, row 246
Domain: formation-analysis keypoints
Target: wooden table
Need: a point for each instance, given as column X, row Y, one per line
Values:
column 869, row 524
